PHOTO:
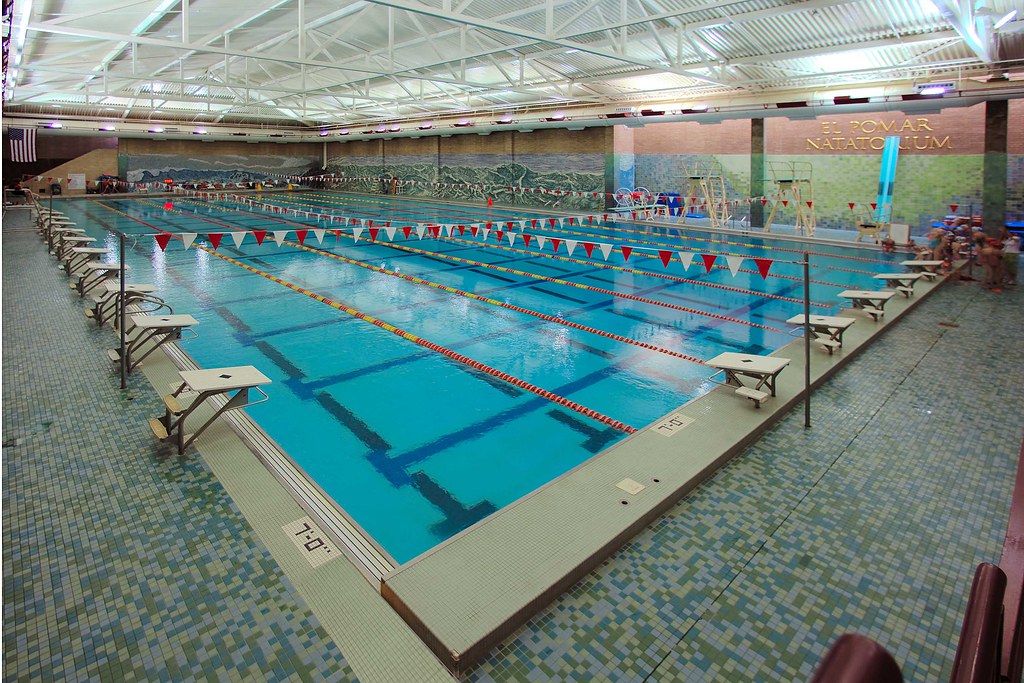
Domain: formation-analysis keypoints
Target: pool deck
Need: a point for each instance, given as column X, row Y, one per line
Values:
column 123, row 560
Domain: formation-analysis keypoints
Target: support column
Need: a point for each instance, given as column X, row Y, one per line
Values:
column 619, row 168
column 757, row 172
column 993, row 191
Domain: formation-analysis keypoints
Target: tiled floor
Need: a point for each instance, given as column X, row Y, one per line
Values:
column 120, row 564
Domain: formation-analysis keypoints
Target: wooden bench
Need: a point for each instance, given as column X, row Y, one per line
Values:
column 753, row 394
column 906, row 291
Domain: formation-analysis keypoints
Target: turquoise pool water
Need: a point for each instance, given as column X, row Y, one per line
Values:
column 416, row 445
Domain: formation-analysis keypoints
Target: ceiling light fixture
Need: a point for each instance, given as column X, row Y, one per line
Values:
column 1005, row 20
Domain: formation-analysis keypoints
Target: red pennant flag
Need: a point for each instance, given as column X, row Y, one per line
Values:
column 406, row 230
column 665, row 256
column 489, row 201
column 500, row 234
column 472, row 230
column 301, row 234
column 215, row 238
column 373, row 233
column 551, row 222
column 462, row 229
column 435, row 230
column 162, row 239
column 509, row 225
column 337, row 235
column 764, row 201
column 554, row 244
column 526, row 239
column 709, row 261
column 488, row 225
column 626, row 251
column 763, row 264
column 533, row 222
column 168, row 205
column 259, row 235
column 808, row 204
column 873, row 205
column 953, row 207
column 589, row 248
column 369, row 224
column 572, row 220
column 785, row 202
column 850, row 204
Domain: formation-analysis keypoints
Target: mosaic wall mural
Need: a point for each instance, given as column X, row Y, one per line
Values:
column 214, row 168
column 456, row 177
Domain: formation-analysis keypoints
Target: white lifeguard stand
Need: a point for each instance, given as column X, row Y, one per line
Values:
column 705, row 180
column 792, row 181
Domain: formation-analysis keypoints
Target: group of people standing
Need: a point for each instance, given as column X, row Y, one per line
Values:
column 999, row 257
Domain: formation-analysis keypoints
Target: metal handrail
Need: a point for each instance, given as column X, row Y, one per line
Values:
column 979, row 651
column 857, row 659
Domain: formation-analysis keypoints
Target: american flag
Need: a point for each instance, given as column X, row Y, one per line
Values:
column 23, row 144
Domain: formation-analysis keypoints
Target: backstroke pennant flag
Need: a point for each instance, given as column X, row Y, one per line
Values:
column 23, row 144
column 709, row 261
column 763, row 264
column 734, row 263
column 162, row 239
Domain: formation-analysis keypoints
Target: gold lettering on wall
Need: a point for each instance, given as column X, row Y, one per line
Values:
column 869, row 135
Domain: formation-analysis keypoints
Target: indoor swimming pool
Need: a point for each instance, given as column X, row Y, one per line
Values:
column 438, row 369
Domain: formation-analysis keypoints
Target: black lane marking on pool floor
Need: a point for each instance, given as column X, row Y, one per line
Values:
column 456, row 515
column 559, row 296
column 597, row 439
column 362, row 431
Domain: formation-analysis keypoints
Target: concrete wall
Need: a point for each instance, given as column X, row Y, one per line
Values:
column 91, row 164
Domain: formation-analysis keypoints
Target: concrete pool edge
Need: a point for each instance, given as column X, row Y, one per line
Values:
column 471, row 592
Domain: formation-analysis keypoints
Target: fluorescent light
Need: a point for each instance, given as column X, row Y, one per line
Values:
column 426, row 125
column 343, row 131
column 199, row 131
column 557, row 116
column 107, row 127
column 56, row 124
column 933, row 90
column 1002, row 22
column 324, row 133
column 157, row 129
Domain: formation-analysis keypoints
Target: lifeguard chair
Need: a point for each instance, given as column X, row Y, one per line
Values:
column 705, row 180
column 875, row 224
column 792, row 181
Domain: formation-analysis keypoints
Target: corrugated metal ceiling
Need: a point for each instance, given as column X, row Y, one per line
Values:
column 318, row 62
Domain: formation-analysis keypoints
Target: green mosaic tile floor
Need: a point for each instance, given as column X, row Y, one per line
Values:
column 120, row 564
column 124, row 564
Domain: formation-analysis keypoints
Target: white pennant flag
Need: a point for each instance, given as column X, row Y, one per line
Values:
column 734, row 263
column 188, row 238
column 319, row 232
column 561, row 222
column 606, row 249
column 447, row 227
column 540, row 242
column 238, row 237
column 280, row 236
column 390, row 232
column 569, row 246
column 420, row 229
column 511, row 239
column 484, row 232
column 356, row 232
column 362, row 222
column 687, row 258
column 522, row 224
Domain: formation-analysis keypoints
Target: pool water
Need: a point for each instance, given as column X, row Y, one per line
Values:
column 459, row 401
